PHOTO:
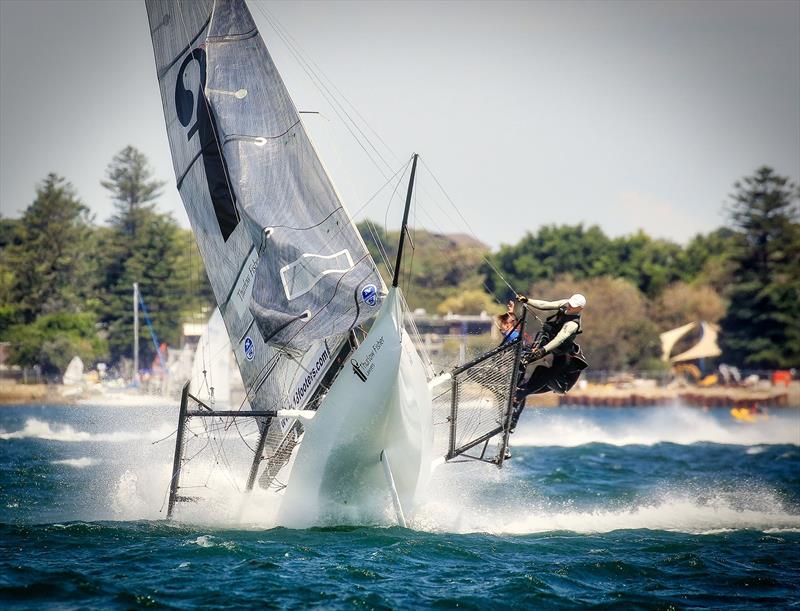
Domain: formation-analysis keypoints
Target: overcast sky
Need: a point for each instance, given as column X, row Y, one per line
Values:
column 628, row 115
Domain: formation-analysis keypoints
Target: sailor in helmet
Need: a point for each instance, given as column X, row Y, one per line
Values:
column 556, row 359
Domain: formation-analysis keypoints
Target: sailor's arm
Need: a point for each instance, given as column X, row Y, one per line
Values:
column 541, row 305
column 569, row 329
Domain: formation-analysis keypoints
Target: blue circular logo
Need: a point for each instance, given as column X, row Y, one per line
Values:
column 370, row 295
column 249, row 349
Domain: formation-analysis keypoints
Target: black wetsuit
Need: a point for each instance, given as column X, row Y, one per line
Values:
column 561, row 375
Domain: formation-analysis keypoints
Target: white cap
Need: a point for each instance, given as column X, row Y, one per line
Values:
column 576, row 301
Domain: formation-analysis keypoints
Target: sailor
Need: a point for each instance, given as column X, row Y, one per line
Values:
column 507, row 323
column 559, row 359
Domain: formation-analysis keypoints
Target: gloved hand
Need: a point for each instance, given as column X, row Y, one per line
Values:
column 522, row 299
column 531, row 355
column 537, row 353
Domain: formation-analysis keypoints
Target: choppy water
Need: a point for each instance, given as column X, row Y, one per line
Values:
column 655, row 507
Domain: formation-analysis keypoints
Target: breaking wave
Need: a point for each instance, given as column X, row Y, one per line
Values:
column 683, row 511
column 457, row 506
column 79, row 463
column 38, row 429
column 671, row 514
column 646, row 426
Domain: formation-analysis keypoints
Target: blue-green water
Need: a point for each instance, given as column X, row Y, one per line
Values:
column 648, row 508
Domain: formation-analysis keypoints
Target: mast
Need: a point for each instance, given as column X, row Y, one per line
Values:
column 403, row 228
column 136, row 333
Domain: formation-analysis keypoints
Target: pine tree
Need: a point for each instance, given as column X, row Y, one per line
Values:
column 48, row 255
column 140, row 246
column 762, row 326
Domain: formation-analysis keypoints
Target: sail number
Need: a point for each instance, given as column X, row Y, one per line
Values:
column 191, row 103
column 184, row 98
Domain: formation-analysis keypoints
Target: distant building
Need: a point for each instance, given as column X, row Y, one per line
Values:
column 454, row 324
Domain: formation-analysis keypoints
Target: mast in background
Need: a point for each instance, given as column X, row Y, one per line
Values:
column 135, row 334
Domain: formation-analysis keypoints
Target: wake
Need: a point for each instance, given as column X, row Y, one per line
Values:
column 649, row 426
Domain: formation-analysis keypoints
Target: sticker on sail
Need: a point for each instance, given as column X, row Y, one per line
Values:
column 243, row 289
column 249, row 348
column 370, row 295
column 311, row 375
column 362, row 375
column 363, row 367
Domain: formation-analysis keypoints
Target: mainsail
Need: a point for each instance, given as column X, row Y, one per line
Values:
column 289, row 270
column 293, row 278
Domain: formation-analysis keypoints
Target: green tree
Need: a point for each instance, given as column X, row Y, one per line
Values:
column 190, row 275
column 706, row 259
column 141, row 246
column 435, row 266
column 53, row 339
column 469, row 301
column 8, row 311
column 648, row 263
column 47, row 257
column 762, row 325
column 133, row 189
column 552, row 251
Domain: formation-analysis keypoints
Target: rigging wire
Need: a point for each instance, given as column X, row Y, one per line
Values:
column 472, row 232
column 329, row 96
column 305, row 59
column 311, row 61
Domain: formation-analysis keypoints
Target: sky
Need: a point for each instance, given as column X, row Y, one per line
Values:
column 629, row 115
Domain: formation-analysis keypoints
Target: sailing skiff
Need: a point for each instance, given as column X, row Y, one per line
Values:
column 348, row 411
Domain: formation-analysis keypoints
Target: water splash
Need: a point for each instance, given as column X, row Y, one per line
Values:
column 476, row 506
column 39, row 429
column 649, row 426
column 78, row 463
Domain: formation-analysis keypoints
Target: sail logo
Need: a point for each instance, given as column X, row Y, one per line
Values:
column 309, row 381
column 365, row 367
column 192, row 110
column 362, row 375
column 249, row 349
column 370, row 295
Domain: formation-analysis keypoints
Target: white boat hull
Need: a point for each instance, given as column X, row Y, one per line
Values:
column 379, row 402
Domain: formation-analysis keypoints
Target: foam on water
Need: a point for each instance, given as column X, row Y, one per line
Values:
column 488, row 501
column 679, row 512
column 649, row 426
column 39, row 429
column 79, row 463
column 462, row 498
column 478, row 503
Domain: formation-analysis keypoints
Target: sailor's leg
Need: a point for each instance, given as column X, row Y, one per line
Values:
column 566, row 371
column 537, row 380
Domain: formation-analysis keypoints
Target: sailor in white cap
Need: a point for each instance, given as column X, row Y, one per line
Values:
column 560, row 372
column 559, row 329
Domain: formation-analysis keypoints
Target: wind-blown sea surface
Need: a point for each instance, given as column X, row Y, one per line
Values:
column 650, row 508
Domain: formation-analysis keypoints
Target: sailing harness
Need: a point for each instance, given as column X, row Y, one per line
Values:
column 553, row 325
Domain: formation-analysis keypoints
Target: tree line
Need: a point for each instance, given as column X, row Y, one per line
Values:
column 66, row 282
column 745, row 276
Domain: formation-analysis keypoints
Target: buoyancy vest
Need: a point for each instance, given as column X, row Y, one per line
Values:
column 553, row 325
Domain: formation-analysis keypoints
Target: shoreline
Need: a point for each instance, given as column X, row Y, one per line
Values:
column 690, row 396
column 13, row 394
